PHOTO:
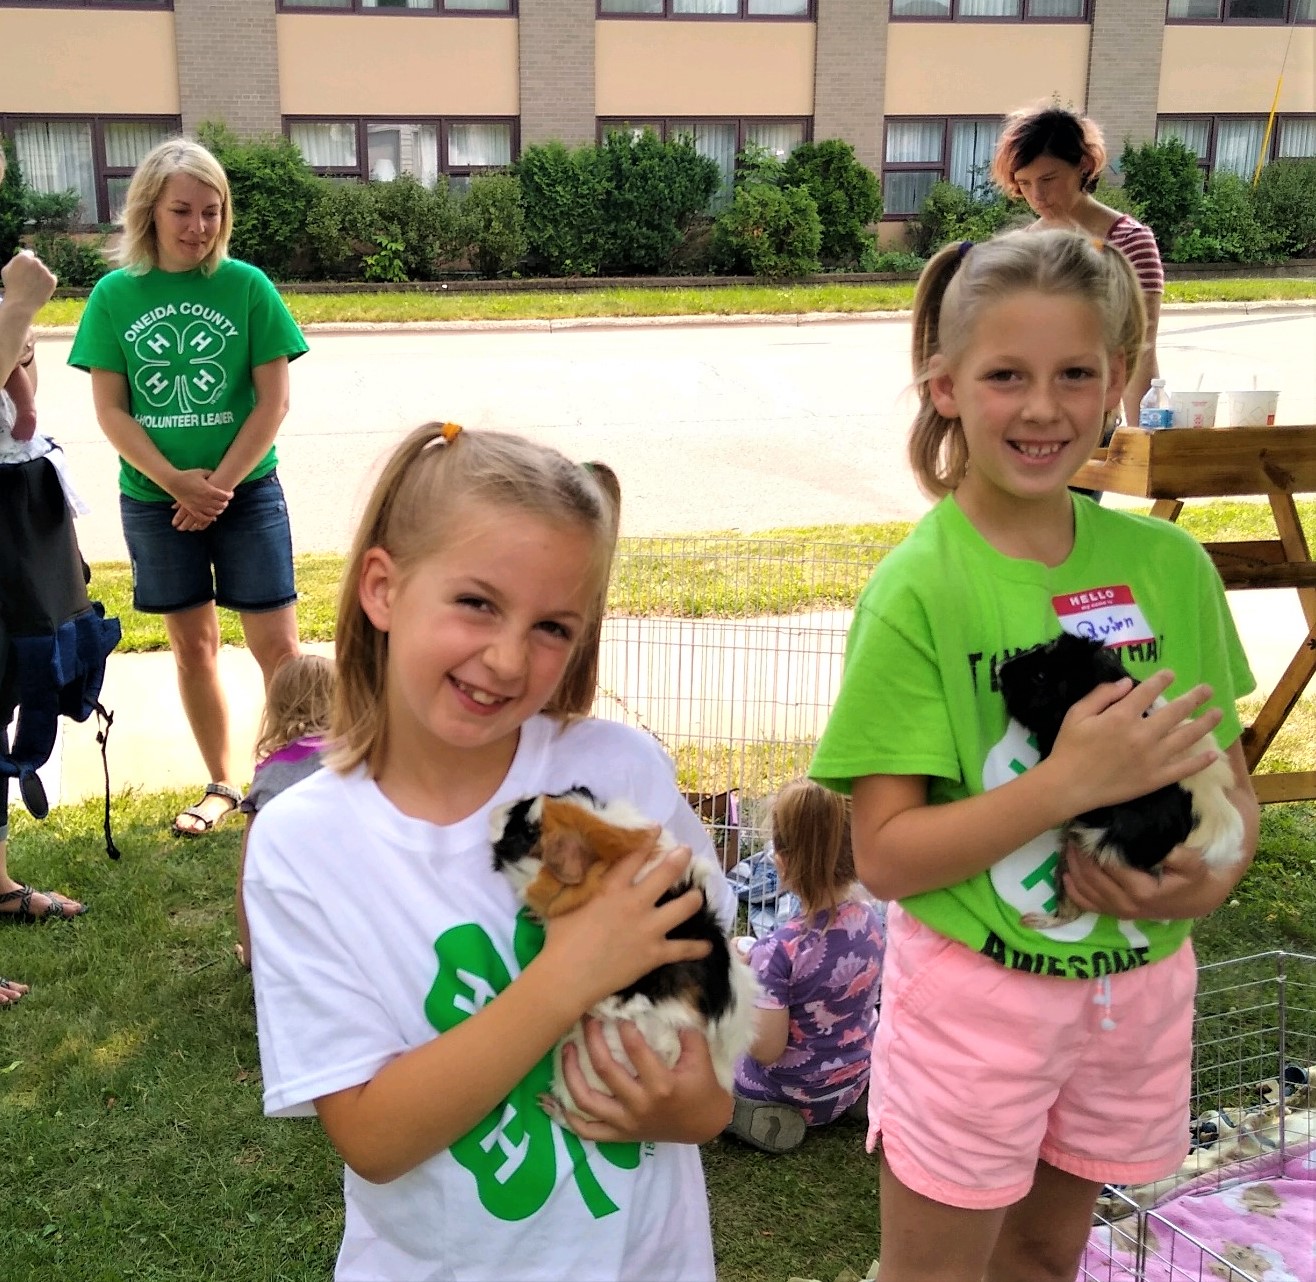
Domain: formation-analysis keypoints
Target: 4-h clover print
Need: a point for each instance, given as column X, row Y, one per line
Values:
column 513, row 1151
column 180, row 368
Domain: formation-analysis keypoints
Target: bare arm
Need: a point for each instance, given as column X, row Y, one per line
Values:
column 1148, row 368
column 422, row 1102
column 257, row 434
column 1185, row 887
column 772, row 1030
column 190, row 487
column 1108, row 751
column 28, row 285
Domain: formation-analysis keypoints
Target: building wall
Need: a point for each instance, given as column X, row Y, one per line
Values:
column 228, row 65
column 1125, row 71
column 704, row 69
column 557, row 70
column 981, row 69
column 850, row 75
column 110, row 62
column 1235, row 69
column 398, row 65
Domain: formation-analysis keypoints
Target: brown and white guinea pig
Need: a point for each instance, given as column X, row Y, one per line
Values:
column 555, row 850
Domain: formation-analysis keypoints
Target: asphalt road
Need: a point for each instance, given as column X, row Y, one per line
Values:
column 710, row 426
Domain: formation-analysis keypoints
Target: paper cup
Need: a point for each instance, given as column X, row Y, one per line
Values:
column 1193, row 409
column 1251, row 409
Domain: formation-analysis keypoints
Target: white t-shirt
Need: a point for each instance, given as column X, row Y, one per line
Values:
column 372, row 932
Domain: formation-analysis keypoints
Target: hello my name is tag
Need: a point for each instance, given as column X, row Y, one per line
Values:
column 1109, row 615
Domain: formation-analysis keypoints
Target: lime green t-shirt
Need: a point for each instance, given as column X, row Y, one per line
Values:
column 919, row 696
column 187, row 344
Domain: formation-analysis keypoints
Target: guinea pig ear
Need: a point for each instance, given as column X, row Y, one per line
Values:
column 567, row 855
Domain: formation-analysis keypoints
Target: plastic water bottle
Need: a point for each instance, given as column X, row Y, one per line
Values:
column 1154, row 409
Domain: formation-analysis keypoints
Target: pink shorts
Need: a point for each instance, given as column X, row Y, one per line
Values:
column 979, row 1071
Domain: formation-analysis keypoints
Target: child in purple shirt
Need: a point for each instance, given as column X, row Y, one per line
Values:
column 288, row 749
column 820, row 974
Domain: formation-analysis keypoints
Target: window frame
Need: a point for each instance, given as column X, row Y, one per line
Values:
column 953, row 14
column 147, row 5
column 742, row 14
column 97, row 123
column 1224, row 18
column 356, row 8
column 361, row 170
column 924, row 166
column 1207, row 164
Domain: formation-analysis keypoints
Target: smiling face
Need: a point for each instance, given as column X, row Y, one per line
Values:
column 1031, row 390
column 1052, row 188
column 187, row 219
column 479, row 633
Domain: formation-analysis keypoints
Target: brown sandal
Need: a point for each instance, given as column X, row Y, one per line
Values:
column 24, row 914
column 205, row 823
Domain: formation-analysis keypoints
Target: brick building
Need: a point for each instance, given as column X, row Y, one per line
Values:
column 375, row 88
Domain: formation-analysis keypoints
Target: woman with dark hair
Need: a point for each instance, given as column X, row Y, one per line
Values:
column 1052, row 159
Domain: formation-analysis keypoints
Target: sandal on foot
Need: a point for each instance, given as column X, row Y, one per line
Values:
column 204, row 822
column 55, row 907
column 771, row 1128
column 11, row 991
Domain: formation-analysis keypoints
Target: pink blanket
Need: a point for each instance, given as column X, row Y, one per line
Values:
column 1258, row 1226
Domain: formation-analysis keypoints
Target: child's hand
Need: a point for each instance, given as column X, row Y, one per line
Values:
column 1186, row 887
column 683, row 1104
column 621, row 933
column 1113, row 745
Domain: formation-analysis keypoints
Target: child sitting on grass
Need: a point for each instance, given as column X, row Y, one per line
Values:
column 820, row 973
column 288, row 745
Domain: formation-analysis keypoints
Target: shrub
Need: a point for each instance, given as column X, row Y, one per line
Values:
column 273, row 190
column 847, row 194
column 340, row 229
column 1225, row 229
column 874, row 259
column 76, row 262
column 425, row 220
column 949, row 212
column 1164, row 180
column 493, row 224
column 774, row 231
column 51, row 210
column 562, row 193
column 13, row 215
column 653, row 191
column 1285, row 201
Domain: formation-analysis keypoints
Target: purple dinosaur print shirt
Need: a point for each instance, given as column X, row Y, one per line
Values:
column 828, row 977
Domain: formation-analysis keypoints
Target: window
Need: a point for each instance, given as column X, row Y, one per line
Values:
column 722, row 140
column 386, row 149
column 919, row 153
column 1000, row 10
column 467, row 7
column 1253, row 11
column 92, row 155
column 87, row 4
column 706, row 9
column 1233, row 144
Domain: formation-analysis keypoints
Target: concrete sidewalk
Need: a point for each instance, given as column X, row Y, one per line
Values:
column 151, row 748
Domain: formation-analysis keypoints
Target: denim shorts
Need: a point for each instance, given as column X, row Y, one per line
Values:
column 242, row 560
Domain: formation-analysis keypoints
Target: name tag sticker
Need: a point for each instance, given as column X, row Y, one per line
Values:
column 1109, row 615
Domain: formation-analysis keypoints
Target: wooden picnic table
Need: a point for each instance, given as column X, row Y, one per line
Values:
column 1274, row 463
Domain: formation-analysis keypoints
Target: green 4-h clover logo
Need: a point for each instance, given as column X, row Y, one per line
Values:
column 511, row 1152
column 180, row 369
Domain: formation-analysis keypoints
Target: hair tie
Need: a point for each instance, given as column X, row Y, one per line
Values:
column 965, row 246
column 1099, row 246
column 449, row 432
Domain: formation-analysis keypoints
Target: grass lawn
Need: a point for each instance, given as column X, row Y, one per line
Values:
column 728, row 300
column 130, row 1087
column 129, row 1082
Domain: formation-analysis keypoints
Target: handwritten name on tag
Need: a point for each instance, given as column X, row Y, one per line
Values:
column 1109, row 615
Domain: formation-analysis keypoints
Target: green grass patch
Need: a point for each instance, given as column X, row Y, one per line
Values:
column 730, row 300
column 130, row 1084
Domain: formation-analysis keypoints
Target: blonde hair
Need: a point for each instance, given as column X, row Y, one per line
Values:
column 298, row 703
column 1047, row 131
column 431, row 481
column 138, row 251
column 811, row 838
column 963, row 279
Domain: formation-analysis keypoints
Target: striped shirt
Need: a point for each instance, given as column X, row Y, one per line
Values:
column 1138, row 245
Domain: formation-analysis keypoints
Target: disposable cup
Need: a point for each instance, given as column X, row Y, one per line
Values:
column 1251, row 409
column 1194, row 409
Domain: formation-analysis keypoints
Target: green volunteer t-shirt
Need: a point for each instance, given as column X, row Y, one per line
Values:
column 187, row 344
column 919, row 696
